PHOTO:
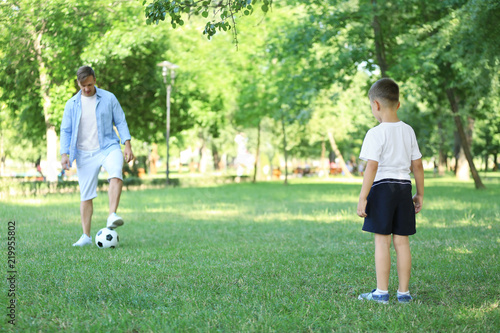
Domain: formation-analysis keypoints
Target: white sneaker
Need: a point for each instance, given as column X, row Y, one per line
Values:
column 84, row 240
column 114, row 221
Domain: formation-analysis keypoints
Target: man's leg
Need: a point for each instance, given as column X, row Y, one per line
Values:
column 86, row 211
column 382, row 260
column 403, row 253
column 114, row 193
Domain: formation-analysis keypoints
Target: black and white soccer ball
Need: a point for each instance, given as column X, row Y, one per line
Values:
column 106, row 238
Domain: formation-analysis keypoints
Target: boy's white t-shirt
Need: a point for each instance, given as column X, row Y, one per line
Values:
column 87, row 130
column 393, row 146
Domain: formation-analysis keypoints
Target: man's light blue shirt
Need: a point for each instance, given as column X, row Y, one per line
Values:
column 108, row 113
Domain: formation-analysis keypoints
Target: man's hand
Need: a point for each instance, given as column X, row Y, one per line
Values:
column 65, row 161
column 127, row 152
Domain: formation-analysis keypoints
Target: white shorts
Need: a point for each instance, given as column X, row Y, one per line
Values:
column 88, row 166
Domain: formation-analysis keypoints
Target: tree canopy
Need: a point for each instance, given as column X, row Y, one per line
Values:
column 298, row 77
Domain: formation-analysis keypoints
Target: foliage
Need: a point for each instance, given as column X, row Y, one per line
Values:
column 125, row 59
column 345, row 113
column 224, row 12
column 487, row 134
column 42, row 44
column 306, row 65
column 12, row 144
column 427, row 48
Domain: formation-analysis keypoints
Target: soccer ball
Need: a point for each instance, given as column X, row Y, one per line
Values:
column 106, row 238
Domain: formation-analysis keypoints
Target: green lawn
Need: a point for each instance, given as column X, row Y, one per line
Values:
column 251, row 257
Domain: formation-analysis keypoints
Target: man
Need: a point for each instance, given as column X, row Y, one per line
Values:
column 87, row 135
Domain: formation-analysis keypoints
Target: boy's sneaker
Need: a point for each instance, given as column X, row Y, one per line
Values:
column 377, row 298
column 114, row 221
column 404, row 298
column 84, row 240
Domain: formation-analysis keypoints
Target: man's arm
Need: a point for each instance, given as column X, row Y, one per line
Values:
column 369, row 176
column 65, row 136
column 418, row 172
column 66, row 128
column 120, row 122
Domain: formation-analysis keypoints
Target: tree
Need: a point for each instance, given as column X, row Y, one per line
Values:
column 456, row 69
column 342, row 117
column 258, row 94
column 125, row 59
column 487, row 133
column 41, row 48
column 414, row 40
column 254, row 103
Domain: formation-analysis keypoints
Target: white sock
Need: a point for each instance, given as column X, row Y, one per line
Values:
column 407, row 293
column 380, row 292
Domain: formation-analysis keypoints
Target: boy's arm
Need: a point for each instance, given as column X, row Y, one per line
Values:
column 418, row 172
column 369, row 176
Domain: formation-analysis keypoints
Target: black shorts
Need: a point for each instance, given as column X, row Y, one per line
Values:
column 390, row 208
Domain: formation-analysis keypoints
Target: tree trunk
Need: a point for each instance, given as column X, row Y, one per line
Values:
column 153, row 159
column 51, row 135
column 442, row 158
column 284, row 147
column 201, row 161
column 379, row 41
column 462, row 170
column 324, row 167
column 450, row 92
column 257, row 153
column 339, row 155
column 215, row 157
column 442, row 163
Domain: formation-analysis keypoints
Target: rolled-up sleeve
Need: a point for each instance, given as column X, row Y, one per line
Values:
column 66, row 129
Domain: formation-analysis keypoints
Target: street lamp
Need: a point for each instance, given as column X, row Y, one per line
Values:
column 166, row 67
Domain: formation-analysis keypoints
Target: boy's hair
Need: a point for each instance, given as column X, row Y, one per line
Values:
column 84, row 72
column 385, row 90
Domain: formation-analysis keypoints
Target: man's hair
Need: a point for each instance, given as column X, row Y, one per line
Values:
column 385, row 90
column 84, row 72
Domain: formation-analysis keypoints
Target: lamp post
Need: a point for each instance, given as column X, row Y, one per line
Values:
column 166, row 66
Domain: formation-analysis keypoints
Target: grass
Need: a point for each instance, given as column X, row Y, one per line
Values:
column 251, row 258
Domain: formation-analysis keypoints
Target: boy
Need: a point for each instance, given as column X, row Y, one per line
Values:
column 386, row 201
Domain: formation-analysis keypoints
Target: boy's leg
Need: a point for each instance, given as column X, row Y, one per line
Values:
column 402, row 247
column 382, row 267
column 382, row 260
